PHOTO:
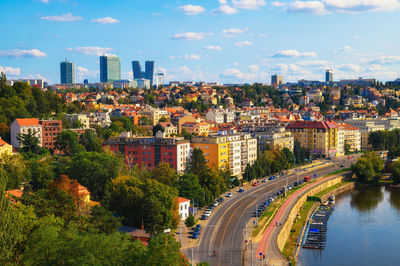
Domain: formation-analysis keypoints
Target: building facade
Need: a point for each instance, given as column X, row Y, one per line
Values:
column 23, row 126
column 50, row 131
column 149, row 152
column 276, row 80
column 67, row 72
column 110, row 68
column 148, row 74
column 328, row 75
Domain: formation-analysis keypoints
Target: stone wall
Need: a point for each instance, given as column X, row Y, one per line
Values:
column 295, row 209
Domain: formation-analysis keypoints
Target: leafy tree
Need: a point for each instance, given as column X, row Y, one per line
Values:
column 163, row 119
column 164, row 250
column 368, row 168
column 395, row 171
column 190, row 221
column 288, row 154
column 157, row 128
column 67, row 142
column 197, row 164
column 103, row 220
column 346, row 147
column 189, row 188
column 164, row 174
column 94, row 170
column 41, row 173
column 90, row 141
column 14, row 169
column 30, row 143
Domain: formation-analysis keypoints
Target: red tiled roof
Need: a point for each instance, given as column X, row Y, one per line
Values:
column 28, row 121
column 2, row 142
column 15, row 192
column 181, row 200
column 312, row 124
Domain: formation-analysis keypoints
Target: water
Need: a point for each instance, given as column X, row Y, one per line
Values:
column 364, row 229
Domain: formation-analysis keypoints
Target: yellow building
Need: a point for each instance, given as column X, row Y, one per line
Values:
column 215, row 150
column 275, row 140
column 5, row 148
column 199, row 129
column 320, row 137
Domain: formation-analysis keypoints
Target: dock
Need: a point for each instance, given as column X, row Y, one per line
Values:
column 315, row 235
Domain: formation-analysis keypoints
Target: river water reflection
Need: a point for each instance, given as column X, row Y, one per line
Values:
column 364, row 229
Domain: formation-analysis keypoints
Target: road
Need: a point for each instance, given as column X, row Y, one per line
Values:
column 224, row 231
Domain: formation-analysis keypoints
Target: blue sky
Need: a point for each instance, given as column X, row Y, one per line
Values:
column 209, row 40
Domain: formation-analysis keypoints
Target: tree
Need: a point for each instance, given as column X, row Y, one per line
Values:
column 163, row 119
column 197, row 164
column 90, row 141
column 103, row 220
column 94, row 170
column 157, row 128
column 15, row 171
column 288, row 155
column 164, row 174
column 164, row 250
column 368, row 168
column 346, row 147
column 41, row 173
column 189, row 188
column 29, row 142
column 190, row 221
column 395, row 171
column 67, row 142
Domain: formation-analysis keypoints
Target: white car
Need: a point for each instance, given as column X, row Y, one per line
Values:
column 207, row 213
column 229, row 195
column 215, row 203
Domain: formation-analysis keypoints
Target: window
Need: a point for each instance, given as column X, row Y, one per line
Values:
column 165, row 154
column 170, row 153
column 144, row 153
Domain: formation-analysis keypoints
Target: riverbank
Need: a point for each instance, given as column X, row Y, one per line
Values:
column 292, row 245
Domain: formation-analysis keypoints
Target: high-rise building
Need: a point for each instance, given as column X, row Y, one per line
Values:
column 160, row 79
column 137, row 70
column 276, row 80
column 329, row 75
column 147, row 74
column 110, row 68
column 67, row 72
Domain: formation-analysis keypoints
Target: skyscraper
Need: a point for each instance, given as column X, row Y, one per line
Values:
column 276, row 80
column 110, row 68
column 137, row 70
column 329, row 75
column 67, row 72
column 147, row 74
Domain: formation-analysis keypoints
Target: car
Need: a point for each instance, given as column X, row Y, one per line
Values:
column 195, row 235
column 216, row 203
column 196, row 230
column 272, row 198
column 349, row 158
column 295, row 184
column 203, row 217
column 198, row 226
column 221, row 200
column 255, row 184
column 229, row 195
column 207, row 213
column 271, row 178
column 211, row 207
column 264, row 180
column 241, row 190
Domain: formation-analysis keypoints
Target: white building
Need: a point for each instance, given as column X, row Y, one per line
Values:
column 82, row 118
column 143, row 83
column 182, row 155
column 22, row 126
column 248, row 151
column 184, row 205
column 235, row 150
column 220, row 116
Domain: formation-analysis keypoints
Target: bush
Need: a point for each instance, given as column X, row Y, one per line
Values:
column 190, row 220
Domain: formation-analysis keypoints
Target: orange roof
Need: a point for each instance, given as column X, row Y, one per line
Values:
column 2, row 142
column 15, row 192
column 28, row 121
column 181, row 200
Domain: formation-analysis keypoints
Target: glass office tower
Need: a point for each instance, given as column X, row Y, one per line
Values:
column 110, row 68
column 147, row 74
column 67, row 72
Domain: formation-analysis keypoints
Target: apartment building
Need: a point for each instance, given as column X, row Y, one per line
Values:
column 235, row 154
column 320, row 137
column 169, row 129
column 83, row 119
column 196, row 128
column 275, row 140
column 248, row 150
column 220, row 116
column 149, row 152
column 155, row 114
column 351, row 136
column 366, row 127
column 22, row 126
column 50, row 129
column 215, row 150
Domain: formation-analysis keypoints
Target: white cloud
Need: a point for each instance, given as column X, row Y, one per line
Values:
column 343, row 49
column 229, row 33
column 294, row 53
column 375, row 68
column 65, row 17
column 192, row 10
column 83, row 73
column 224, row 8
column 44, row 1
column 243, row 44
column 236, row 64
column 192, row 36
column 106, row 20
column 313, row 63
column 10, row 70
column 386, row 60
column 357, row 37
column 262, row 35
column 278, row 4
column 22, row 53
column 253, row 68
column 91, row 50
column 192, row 57
column 309, row 7
column 350, row 67
column 223, row 2
column 236, row 73
column 281, row 67
column 248, row 4
column 213, row 47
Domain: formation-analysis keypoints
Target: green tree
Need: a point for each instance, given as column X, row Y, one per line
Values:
column 94, row 170
column 41, row 173
column 190, row 221
column 90, row 141
column 189, row 188
column 157, row 128
column 197, row 164
column 67, row 142
column 164, row 174
column 395, row 171
column 346, row 147
column 164, row 250
column 15, row 171
column 29, row 142
column 103, row 220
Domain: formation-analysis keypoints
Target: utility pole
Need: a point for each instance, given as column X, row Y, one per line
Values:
column 245, row 227
column 251, row 245
column 192, row 256
column 180, row 229
column 256, row 214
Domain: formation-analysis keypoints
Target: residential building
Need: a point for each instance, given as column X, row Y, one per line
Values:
column 184, row 205
column 196, row 128
column 50, row 130
column 328, row 75
column 351, row 137
column 366, row 127
column 215, row 150
column 23, row 126
column 169, row 129
column 248, row 150
column 235, row 154
column 149, row 152
column 276, row 80
column 5, row 148
column 154, row 114
column 275, row 140
column 320, row 137
column 110, row 68
column 143, row 83
column 67, row 72
column 220, row 116
column 315, row 95
column 179, row 119
column 160, row 80
column 83, row 119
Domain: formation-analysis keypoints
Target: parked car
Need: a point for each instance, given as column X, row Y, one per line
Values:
column 221, row 200
column 271, row 178
column 241, row 190
column 203, row 217
column 229, row 195
column 255, row 184
column 216, row 203
column 195, row 235
column 207, row 213
column 264, row 180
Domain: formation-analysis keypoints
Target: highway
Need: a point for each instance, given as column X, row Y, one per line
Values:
column 224, row 231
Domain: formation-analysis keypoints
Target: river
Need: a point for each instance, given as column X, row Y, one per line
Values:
column 364, row 229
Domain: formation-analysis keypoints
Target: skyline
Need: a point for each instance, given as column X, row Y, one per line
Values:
column 223, row 41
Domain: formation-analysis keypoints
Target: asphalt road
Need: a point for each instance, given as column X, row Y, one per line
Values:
column 224, row 231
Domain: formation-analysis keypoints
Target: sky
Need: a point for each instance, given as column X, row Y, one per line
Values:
column 226, row 41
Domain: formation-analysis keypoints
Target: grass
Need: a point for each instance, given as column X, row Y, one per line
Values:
column 291, row 244
column 339, row 172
